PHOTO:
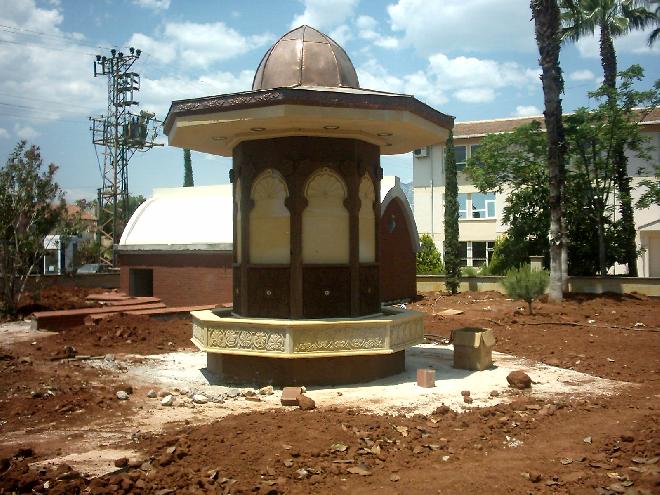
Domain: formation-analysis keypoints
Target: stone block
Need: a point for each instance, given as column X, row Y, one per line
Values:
column 290, row 396
column 426, row 377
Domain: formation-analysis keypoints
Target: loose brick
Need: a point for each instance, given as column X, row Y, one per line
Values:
column 290, row 396
column 426, row 377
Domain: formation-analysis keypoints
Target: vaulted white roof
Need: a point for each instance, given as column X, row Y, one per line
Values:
column 195, row 218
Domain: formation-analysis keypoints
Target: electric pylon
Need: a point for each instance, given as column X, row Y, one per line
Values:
column 118, row 135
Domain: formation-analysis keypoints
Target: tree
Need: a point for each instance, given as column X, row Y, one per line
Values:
column 526, row 284
column 188, row 180
column 654, row 34
column 31, row 205
column 595, row 137
column 452, row 259
column 428, row 256
column 548, row 39
column 515, row 164
column 614, row 18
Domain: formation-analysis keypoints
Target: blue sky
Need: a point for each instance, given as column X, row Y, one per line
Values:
column 474, row 59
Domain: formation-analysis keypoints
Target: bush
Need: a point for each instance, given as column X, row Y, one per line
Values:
column 526, row 284
column 469, row 271
column 428, row 256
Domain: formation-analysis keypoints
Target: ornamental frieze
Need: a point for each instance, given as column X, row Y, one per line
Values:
column 241, row 339
column 339, row 339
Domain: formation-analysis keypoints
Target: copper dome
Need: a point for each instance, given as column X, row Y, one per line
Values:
column 305, row 57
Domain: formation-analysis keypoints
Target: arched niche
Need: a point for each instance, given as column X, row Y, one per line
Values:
column 367, row 218
column 238, row 223
column 325, row 238
column 270, row 225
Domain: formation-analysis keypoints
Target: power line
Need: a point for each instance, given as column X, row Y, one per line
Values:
column 30, row 32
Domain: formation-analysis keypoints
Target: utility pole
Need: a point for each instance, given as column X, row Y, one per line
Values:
column 118, row 134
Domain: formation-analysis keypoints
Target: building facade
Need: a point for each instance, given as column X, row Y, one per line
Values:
column 480, row 216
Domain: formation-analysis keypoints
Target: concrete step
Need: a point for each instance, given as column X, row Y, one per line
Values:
column 58, row 320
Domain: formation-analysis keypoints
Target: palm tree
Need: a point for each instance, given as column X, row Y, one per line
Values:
column 613, row 18
column 656, row 32
column 547, row 26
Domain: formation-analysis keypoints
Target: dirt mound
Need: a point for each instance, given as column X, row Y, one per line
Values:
column 56, row 298
column 328, row 451
column 124, row 334
column 51, row 393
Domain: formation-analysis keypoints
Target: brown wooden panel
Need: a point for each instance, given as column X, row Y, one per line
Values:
column 236, row 288
column 326, row 291
column 369, row 290
column 268, row 292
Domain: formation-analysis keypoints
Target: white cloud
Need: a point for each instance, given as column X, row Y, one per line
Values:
column 468, row 25
column 526, row 111
column 324, row 14
column 342, row 34
column 582, row 75
column 25, row 132
column 153, row 4
column 367, row 28
column 475, row 95
column 468, row 79
column 28, row 66
column 4, row 134
column 197, row 44
column 634, row 42
column 162, row 52
column 158, row 94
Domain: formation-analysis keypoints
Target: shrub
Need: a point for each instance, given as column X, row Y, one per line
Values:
column 526, row 284
column 469, row 271
column 428, row 256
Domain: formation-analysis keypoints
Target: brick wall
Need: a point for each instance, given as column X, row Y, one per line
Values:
column 397, row 257
column 183, row 278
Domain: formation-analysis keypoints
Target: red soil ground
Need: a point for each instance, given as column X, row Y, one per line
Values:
column 599, row 445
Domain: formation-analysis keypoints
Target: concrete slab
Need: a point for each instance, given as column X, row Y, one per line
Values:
column 398, row 394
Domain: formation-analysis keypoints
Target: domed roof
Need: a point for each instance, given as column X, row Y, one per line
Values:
column 305, row 57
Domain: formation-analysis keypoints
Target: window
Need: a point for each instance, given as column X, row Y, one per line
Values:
column 460, row 152
column 476, row 253
column 463, row 253
column 483, row 205
column 462, row 206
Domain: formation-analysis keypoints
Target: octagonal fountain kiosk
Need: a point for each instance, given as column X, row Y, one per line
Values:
column 306, row 144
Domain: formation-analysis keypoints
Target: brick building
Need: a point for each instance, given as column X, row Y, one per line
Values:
column 178, row 246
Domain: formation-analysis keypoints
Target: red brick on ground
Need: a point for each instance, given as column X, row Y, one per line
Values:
column 290, row 396
column 426, row 377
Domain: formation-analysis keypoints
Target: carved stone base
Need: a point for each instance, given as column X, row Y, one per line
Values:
column 341, row 370
column 324, row 351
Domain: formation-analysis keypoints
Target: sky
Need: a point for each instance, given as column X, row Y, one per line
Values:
column 473, row 59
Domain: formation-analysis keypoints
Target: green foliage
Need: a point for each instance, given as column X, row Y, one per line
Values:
column 451, row 245
column 469, row 271
column 188, row 180
column 526, row 284
column 515, row 163
column 428, row 256
column 31, row 205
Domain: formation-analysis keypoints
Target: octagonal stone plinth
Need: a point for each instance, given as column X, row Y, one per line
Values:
column 312, row 352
